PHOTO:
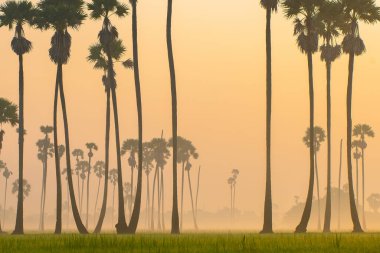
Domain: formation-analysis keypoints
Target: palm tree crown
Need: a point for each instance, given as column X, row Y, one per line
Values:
column 319, row 137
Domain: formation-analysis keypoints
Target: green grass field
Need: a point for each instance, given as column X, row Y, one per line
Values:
column 205, row 242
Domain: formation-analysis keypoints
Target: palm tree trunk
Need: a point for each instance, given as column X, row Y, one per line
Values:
column 340, row 180
column 233, row 202
column 44, row 200
column 354, row 212
column 326, row 225
column 158, row 200
column 96, row 200
column 363, row 194
column 42, row 195
column 147, row 201
column 267, row 226
column 357, row 180
column 192, row 200
column 319, row 201
column 81, row 197
column 19, row 227
column 88, row 189
column 196, row 197
column 68, row 208
column 102, row 214
column 5, row 202
column 81, row 228
column 154, row 187
column 113, row 203
column 162, row 199
column 182, row 186
column 175, row 220
column 302, row 226
column 130, row 202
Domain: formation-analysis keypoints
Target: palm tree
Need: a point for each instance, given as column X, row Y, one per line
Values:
column 319, row 137
column 304, row 13
column 175, row 219
column 8, row 115
column 99, row 170
column 60, row 15
column 356, row 145
column 6, row 174
column 91, row 147
column 113, row 179
column 108, row 36
column 17, row 13
column 270, row 6
column 330, row 18
column 362, row 131
column 354, row 11
column 25, row 188
column 147, row 165
column 79, row 155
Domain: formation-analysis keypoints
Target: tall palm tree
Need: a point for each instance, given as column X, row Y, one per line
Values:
column 319, row 137
column 331, row 20
column 147, row 164
column 108, row 35
column 356, row 144
column 362, row 131
column 91, row 148
column 16, row 14
column 304, row 13
column 99, row 170
column 60, row 16
column 354, row 11
column 6, row 174
column 25, row 188
column 113, row 175
column 270, row 6
column 175, row 219
column 8, row 115
column 79, row 155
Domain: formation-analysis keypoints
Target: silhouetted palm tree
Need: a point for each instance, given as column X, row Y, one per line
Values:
column 270, row 6
column 8, row 115
column 362, row 131
column 60, row 15
column 356, row 144
column 6, row 174
column 91, row 148
column 304, row 13
column 331, row 20
column 113, row 179
column 354, row 11
column 319, row 137
column 18, row 13
column 108, row 36
column 99, row 170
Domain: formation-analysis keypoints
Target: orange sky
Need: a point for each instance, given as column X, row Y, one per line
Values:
column 219, row 51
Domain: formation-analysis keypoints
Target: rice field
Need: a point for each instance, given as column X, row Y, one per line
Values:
column 203, row 242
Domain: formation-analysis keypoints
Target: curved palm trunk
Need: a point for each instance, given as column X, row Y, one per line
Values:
column 340, row 179
column 81, row 228
column 102, row 214
column 267, row 226
column 302, row 226
column 88, row 189
column 354, row 212
column 318, row 196
column 19, row 227
column 192, row 201
column 363, row 194
column 96, row 200
column 5, row 202
column 175, row 219
column 154, row 187
column 162, row 199
column 326, row 225
column 182, row 186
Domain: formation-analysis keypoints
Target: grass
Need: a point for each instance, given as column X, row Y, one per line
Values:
column 203, row 242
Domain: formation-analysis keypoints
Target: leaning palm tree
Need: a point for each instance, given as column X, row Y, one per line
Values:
column 270, row 6
column 362, row 131
column 16, row 14
column 319, row 137
column 304, row 13
column 91, row 148
column 354, row 11
column 99, row 170
column 6, row 174
column 60, row 16
column 331, row 20
column 8, row 115
column 108, row 36
column 356, row 145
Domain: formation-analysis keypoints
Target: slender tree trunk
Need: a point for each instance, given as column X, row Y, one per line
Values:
column 318, row 195
column 267, row 226
column 147, row 201
column 68, row 208
column 363, row 194
column 96, row 201
column 44, row 200
column 81, row 197
column 326, row 225
column 78, row 181
column 354, row 212
column 154, row 187
column 192, row 201
column 81, row 228
column 158, row 200
column 19, row 227
column 182, row 186
column 5, row 202
column 102, row 214
column 175, row 221
column 357, row 180
column 162, row 199
column 42, row 195
column 113, row 203
column 233, row 202
column 130, row 202
column 196, row 197
column 88, row 189
column 340, row 180
column 231, row 205
column 302, row 226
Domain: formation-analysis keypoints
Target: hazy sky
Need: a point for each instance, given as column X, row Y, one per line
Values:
column 219, row 51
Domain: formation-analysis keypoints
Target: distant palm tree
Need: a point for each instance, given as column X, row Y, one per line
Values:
column 113, row 179
column 79, row 155
column 60, row 15
column 354, row 11
column 6, row 174
column 8, row 115
column 331, row 20
column 18, row 13
column 362, row 131
column 108, row 36
column 270, row 6
column 99, row 170
column 356, row 145
column 304, row 13
column 91, row 148
column 147, row 165
column 25, row 188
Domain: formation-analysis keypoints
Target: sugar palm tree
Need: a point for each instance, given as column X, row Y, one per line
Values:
column 79, row 155
column 25, row 188
column 17, row 14
column 362, row 131
column 91, row 148
column 6, row 174
column 331, row 20
column 60, row 16
column 175, row 219
column 319, row 137
column 270, row 6
column 354, row 11
column 304, row 13
column 108, row 35
column 147, row 164
column 8, row 115
column 113, row 175
column 356, row 144
column 99, row 170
